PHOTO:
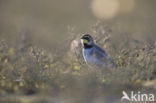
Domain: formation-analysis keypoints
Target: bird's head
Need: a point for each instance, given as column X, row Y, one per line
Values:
column 87, row 41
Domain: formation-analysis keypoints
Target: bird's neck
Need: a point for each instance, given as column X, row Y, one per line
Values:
column 86, row 46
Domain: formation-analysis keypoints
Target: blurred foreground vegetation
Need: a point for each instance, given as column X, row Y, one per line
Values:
column 30, row 74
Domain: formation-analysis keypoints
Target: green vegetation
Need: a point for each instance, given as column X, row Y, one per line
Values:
column 30, row 74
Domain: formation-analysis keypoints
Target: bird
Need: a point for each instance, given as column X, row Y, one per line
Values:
column 93, row 55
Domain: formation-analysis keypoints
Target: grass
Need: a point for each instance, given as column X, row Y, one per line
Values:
column 30, row 74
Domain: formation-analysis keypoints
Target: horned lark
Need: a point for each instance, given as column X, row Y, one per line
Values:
column 95, row 56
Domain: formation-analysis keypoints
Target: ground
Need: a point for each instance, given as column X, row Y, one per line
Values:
column 30, row 74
